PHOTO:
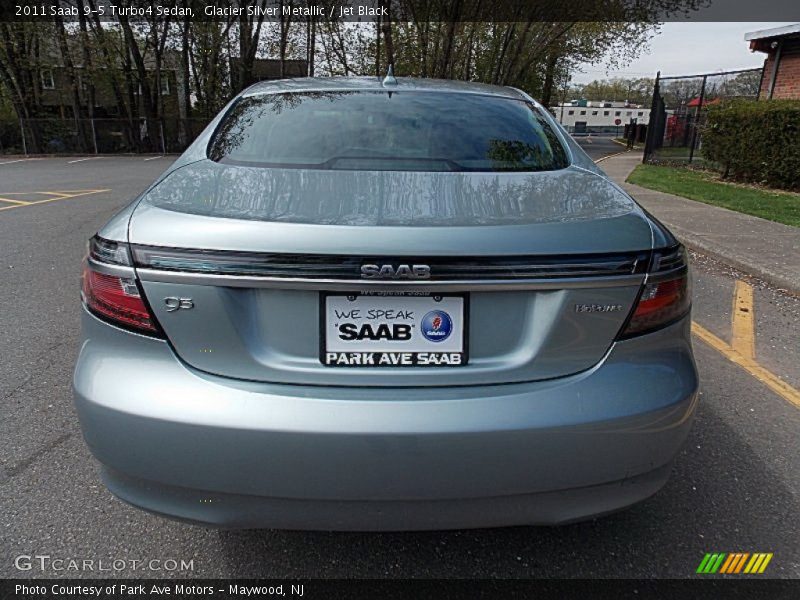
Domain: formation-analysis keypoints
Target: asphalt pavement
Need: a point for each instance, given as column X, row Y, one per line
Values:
column 735, row 486
column 599, row 147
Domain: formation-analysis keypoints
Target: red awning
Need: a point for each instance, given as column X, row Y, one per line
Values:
column 696, row 102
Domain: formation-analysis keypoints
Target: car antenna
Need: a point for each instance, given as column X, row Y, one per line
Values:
column 389, row 80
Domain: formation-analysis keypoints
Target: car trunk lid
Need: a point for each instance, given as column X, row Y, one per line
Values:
column 548, row 266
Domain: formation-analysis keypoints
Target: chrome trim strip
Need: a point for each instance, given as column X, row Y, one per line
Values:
column 109, row 269
column 666, row 275
column 347, row 268
column 371, row 285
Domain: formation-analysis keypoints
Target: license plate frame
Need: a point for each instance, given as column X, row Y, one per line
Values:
column 395, row 358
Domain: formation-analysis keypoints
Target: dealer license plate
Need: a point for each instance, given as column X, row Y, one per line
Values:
column 393, row 329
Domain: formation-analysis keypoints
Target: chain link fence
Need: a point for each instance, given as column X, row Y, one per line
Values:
column 98, row 136
column 679, row 108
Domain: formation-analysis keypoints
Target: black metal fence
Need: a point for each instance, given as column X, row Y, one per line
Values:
column 679, row 109
column 98, row 136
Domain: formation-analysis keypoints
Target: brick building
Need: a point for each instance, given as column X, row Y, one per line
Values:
column 781, row 78
column 54, row 85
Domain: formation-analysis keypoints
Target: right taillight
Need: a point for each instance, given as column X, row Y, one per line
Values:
column 666, row 296
column 113, row 297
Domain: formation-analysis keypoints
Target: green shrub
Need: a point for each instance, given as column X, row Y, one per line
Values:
column 757, row 142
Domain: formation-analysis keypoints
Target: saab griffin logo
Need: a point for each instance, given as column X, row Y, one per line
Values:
column 734, row 563
column 401, row 272
column 436, row 326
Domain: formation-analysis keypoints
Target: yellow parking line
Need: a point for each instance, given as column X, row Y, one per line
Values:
column 13, row 201
column 63, row 192
column 743, row 325
column 742, row 351
column 71, row 195
column 777, row 385
column 58, row 195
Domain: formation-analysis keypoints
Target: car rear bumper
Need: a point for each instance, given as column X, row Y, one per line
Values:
column 241, row 454
column 243, row 511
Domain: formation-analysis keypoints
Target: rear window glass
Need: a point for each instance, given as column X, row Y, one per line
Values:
column 387, row 131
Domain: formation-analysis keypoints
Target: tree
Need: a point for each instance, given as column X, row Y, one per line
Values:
column 186, row 100
column 347, row 48
column 88, row 60
column 20, row 68
column 618, row 89
column 458, row 39
column 742, row 85
column 150, row 38
column 285, row 23
column 114, row 66
column 209, row 64
column 678, row 92
column 463, row 39
column 248, row 34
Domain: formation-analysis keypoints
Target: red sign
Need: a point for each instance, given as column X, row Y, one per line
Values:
column 617, row 121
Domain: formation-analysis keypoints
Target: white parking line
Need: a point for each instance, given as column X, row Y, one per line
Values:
column 69, row 162
column 153, row 158
column 8, row 162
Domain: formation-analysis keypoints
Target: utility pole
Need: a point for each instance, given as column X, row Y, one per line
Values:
column 697, row 114
column 378, row 46
column 564, row 99
column 654, row 121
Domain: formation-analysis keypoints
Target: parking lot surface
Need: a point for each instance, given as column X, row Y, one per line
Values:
column 735, row 486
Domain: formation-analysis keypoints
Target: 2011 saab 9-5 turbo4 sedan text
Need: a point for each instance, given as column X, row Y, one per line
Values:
column 397, row 305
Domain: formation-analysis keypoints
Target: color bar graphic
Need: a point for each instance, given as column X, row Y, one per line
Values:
column 734, row 563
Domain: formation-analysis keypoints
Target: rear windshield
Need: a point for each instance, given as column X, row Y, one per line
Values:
column 387, row 131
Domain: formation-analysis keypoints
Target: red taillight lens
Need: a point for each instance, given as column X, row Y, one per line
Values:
column 117, row 299
column 660, row 304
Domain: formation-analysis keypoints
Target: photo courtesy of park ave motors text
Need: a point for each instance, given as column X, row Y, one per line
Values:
column 399, row 290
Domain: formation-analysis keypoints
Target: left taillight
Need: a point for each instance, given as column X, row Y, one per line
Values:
column 110, row 290
column 666, row 297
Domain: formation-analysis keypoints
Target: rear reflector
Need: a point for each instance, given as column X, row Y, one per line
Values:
column 660, row 304
column 116, row 299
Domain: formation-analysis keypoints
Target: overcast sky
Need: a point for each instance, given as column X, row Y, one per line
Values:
column 687, row 49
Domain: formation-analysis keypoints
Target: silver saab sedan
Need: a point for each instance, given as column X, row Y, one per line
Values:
column 356, row 304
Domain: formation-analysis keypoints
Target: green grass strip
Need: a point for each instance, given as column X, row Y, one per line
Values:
column 778, row 206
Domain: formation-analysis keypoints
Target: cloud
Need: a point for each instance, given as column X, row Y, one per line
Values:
column 688, row 49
